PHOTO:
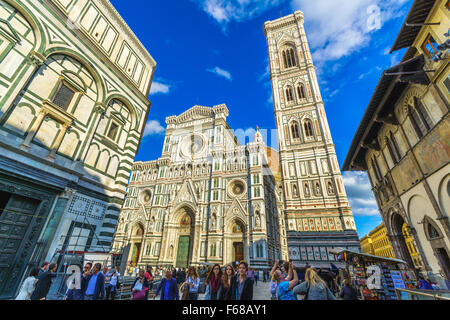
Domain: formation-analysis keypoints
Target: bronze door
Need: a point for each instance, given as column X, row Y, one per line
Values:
column 238, row 251
column 18, row 236
column 136, row 254
column 183, row 252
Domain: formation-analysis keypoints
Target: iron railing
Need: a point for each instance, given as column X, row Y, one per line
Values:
column 414, row 294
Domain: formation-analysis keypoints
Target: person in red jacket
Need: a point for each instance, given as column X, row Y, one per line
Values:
column 149, row 276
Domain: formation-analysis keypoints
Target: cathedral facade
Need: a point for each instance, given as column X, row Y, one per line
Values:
column 316, row 208
column 207, row 199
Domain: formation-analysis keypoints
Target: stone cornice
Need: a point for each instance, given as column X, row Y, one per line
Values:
column 108, row 9
column 127, row 30
column 296, row 17
column 200, row 111
column 124, row 30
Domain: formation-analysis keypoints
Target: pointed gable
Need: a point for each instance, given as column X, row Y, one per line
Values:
column 186, row 194
column 236, row 210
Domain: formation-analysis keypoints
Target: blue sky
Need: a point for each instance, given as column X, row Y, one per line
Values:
column 210, row 52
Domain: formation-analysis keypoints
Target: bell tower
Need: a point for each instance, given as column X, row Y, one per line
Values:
column 317, row 211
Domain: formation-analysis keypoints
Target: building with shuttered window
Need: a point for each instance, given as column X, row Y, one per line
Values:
column 403, row 142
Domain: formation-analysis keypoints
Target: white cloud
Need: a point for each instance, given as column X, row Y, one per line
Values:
column 368, row 73
column 360, row 194
column 225, row 11
column 264, row 78
column 266, row 75
column 336, row 29
column 220, row 72
column 153, row 127
column 395, row 59
column 333, row 93
column 159, row 88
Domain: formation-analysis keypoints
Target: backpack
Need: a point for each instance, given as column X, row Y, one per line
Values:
column 274, row 289
column 307, row 292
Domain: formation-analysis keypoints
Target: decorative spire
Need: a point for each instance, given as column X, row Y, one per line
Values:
column 258, row 136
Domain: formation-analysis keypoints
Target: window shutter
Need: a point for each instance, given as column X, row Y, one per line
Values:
column 391, row 152
column 284, row 59
column 423, row 114
column 294, row 63
column 63, row 97
column 415, row 122
column 395, row 145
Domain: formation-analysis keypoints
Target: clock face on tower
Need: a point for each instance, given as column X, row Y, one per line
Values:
column 192, row 145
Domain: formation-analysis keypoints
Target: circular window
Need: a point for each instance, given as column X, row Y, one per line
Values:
column 237, row 187
column 145, row 196
column 192, row 145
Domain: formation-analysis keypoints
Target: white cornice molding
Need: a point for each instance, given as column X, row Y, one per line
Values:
column 198, row 110
column 116, row 19
column 296, row 17
column 127, row 32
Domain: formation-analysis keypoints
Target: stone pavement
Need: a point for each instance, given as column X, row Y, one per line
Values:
column 260, row 291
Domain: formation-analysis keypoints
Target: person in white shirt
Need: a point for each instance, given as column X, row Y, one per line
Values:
column 28, row 285
column 112, row 287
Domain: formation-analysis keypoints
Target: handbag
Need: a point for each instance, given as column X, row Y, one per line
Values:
column 138, row 286
column 185, row 290
column 207, row 293
column 139, row 295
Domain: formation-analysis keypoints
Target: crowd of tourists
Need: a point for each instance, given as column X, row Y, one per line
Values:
column 102, row 283
column 93, row 283
column 228, row 283
column 214, row 282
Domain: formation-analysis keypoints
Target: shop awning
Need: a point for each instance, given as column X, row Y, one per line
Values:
column 417, row 16
column 366, row 257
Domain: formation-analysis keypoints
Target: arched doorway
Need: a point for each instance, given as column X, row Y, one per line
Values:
column 436, row 239
column 185, row 238
column 398, row 227
column 238, row 240
column 137, row 236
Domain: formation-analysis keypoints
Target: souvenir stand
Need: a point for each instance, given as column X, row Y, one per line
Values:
column 394, row 274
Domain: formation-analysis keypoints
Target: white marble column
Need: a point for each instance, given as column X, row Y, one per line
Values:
column 32, row 133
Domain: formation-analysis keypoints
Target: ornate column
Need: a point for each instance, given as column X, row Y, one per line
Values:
column 49, row 109
column 37, row 124
column 399, row 242
column 33, row 62
column 166, row 242
column 195, row 259
column 58, row 141
column 100, row 109
column 413, row 233
column 444, row 220
column 226, row 248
